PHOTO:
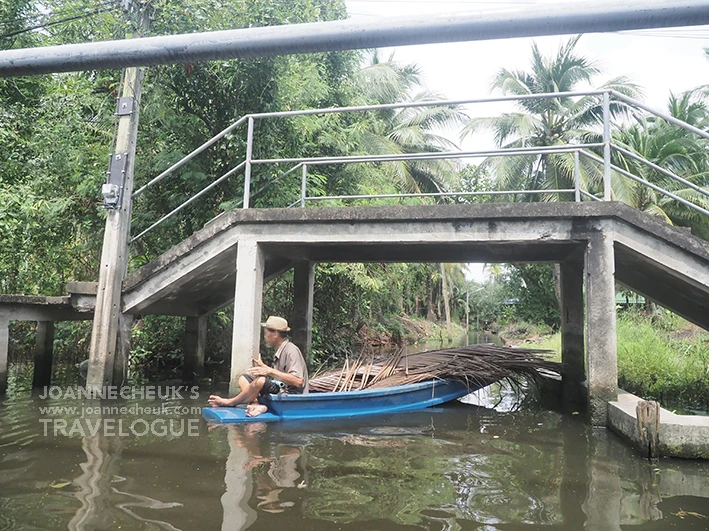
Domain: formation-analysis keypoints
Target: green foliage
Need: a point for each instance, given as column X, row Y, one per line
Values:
column 156, row 349
column 657, row 365
column 549, row 122
column 531, row 295
column 660, row 357
column 674, row 149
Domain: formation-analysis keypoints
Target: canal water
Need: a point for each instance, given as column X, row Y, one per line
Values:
column 157, row 465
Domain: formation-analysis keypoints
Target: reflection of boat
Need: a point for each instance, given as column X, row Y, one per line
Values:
column 350, row 403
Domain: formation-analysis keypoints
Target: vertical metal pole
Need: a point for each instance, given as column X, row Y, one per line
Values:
column 577, row 178
column 606, row 147
column 247, row 168
column 303, row 184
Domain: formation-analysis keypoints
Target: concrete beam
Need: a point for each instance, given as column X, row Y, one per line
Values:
column 601, row 327
column 40, row 308
column 195, row 342
column 4, row 346
column 572, row 335
column 303, row 288
column 44, row 350
column 248, row 298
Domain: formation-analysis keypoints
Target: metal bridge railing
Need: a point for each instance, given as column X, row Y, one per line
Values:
column 302, row 163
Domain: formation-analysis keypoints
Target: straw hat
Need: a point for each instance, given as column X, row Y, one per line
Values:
column 276, row 323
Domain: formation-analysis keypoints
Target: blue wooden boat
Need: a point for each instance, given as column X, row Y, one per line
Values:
column 347, row 404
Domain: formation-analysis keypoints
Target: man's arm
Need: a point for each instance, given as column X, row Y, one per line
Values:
column 285, row 377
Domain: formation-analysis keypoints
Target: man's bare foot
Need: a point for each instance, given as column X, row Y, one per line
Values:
column 254, row 410
column 218, row 401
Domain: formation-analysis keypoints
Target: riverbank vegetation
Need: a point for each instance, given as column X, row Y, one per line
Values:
column 660, row 356
column 56, row 133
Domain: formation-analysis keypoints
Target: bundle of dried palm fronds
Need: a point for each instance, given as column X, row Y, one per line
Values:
column 478, row 364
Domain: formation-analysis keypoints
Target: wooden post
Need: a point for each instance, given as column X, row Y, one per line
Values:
column 647, row 414
column 44, row 347
column 114, row 255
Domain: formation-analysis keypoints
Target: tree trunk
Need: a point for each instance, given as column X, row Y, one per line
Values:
column 556, row 275
column 446, row 295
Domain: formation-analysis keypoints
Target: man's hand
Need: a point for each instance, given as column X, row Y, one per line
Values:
column 261, row 369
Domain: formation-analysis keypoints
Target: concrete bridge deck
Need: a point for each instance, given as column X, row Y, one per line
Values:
column 661, row 262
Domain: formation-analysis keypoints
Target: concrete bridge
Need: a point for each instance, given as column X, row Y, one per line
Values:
column 597, row 245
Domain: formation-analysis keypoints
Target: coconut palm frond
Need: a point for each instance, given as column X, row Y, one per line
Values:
column 481, row 364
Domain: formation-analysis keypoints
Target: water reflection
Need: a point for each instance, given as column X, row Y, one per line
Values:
column 457, row 467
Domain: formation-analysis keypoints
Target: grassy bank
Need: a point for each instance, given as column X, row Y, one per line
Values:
column 662, row 358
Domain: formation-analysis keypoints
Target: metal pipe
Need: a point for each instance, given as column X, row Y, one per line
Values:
column 249, row 153
column 189, row 157
column 607, row 195
column 662, row 170
column 303, row 185
column 557, row 19
column 438, row 194
column 189, row 201
column 661, row 190
column 591, row 196
column 434, row 103
column 577, row 177
column 330, row 110
column 659, row 114
column 428, row 156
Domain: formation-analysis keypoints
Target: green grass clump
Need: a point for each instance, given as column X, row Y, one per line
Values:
column 657, row 366
column 661, row 358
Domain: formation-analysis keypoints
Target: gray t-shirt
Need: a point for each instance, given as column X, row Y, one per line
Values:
column 290, row 360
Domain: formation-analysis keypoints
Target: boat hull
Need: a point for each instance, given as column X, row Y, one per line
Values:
column 347, row 404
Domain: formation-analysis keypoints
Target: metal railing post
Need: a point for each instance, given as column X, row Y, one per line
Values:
column 247, row 168
column 303, row 184
column 606, row 147
column 577, row 178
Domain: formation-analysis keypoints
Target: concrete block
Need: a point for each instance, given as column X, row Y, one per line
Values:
column 684, row 436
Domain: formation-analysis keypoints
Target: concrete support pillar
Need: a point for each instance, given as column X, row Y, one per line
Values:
column 4, row 346
column 194, row 345
column 303, row 287
column 125, row 337
column 43, row 352
column 602, row 362
column 248, row 299
column 572, row 335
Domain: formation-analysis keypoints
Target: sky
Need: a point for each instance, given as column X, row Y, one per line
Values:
column 659, row 60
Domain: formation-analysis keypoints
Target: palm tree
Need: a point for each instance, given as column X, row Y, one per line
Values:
column 408, row 130
column 549, row 122
column 675, row 149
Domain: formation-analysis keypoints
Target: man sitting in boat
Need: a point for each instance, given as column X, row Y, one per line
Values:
column 289, row 373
